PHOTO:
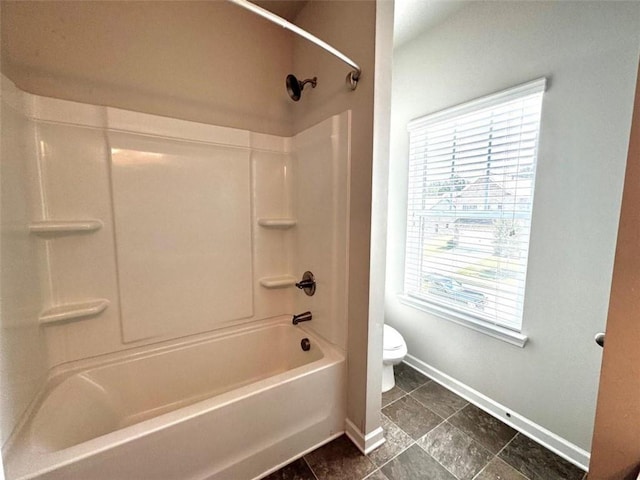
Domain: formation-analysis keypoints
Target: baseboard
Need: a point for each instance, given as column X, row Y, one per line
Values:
column 550, row 440
column 365, row 443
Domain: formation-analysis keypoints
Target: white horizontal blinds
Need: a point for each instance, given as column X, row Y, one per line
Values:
column 471, row 179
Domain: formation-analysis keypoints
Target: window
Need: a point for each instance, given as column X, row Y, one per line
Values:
column 471, row 180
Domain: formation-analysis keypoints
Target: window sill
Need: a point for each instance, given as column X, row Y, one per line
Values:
column 495, row 331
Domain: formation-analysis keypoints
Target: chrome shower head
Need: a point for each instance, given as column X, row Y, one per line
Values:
column 295, row 86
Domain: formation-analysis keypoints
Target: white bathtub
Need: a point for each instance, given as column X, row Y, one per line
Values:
column 235, row 405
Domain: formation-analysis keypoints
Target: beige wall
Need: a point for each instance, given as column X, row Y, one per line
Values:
column 210, row 62
column 349, row 27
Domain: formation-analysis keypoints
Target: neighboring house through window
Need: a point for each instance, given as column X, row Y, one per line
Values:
column 471, row 180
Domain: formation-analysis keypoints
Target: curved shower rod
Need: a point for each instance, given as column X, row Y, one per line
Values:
column 352, row 77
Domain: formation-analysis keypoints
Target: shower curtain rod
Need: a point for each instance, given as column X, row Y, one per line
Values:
column 352, row 77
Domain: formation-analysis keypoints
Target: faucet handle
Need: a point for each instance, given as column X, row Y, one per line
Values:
column 308, row 283
column 302, row 317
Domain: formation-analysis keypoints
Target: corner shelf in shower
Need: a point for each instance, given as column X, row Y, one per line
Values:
column 48, row 227
column 280, row 281
column 72, row 311
column 281, row 223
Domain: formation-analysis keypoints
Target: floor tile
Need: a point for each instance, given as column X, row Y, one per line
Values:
column 485, row 429
column 457, row 452
column 408, row 378
column 339, row 460
column 438, row 399
column 396, row 441
column 377, row 475
column 499, row 470
column 538, row 463
column 415, row 464
column 298, row 470
column 392, row 395
column 412, row 417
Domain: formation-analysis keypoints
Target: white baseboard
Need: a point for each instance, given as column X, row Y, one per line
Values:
column 550, row 440
column 365, row 443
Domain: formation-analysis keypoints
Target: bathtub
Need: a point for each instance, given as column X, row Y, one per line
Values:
column 234, row 405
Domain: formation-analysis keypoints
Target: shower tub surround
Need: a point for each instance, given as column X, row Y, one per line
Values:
column 155, row 233
column 169, row 413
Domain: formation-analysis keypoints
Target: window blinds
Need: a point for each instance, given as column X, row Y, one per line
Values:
column 471, row 181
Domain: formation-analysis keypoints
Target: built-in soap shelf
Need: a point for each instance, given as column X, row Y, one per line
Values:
column 280, row 281
column 280, row 223
column 72, row 311
column 49, row 227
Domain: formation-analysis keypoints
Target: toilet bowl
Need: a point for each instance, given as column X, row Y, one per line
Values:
column 394, row 351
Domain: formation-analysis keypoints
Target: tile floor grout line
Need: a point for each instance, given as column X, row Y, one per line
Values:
column 485, row 467
column 423, row 405
column 419, row 386
column 493, row 458
column 408, row 434
column 505, row 461
column 459, row 410
column 513, row 466
column 394, row 401
column 428, row 380
column 445, row 420
column 427, row 407
column 419, row 403
column 414, row 442
column 438, row 461
column 311, row 469
column 506, row 445
column 368, row 475
column 480, row 444
column 399, row 388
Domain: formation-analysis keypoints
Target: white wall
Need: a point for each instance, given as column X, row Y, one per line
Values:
column 349, row 26
column 322, row 165
column 23, row 364
column 379, row 207
column 589, row 52
column 181, row 249
column 157, row 235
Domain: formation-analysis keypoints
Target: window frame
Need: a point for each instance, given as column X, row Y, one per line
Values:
column 449, row 312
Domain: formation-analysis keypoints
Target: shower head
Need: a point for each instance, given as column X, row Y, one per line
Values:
column 295, row 86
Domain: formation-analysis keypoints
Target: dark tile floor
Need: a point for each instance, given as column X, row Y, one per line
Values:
column 433, row 434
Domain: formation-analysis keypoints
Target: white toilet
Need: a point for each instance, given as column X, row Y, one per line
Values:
column 394, row 351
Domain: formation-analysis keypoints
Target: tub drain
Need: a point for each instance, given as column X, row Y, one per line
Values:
column 305, row 344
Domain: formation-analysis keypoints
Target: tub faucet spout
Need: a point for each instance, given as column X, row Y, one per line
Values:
column 302, row 317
